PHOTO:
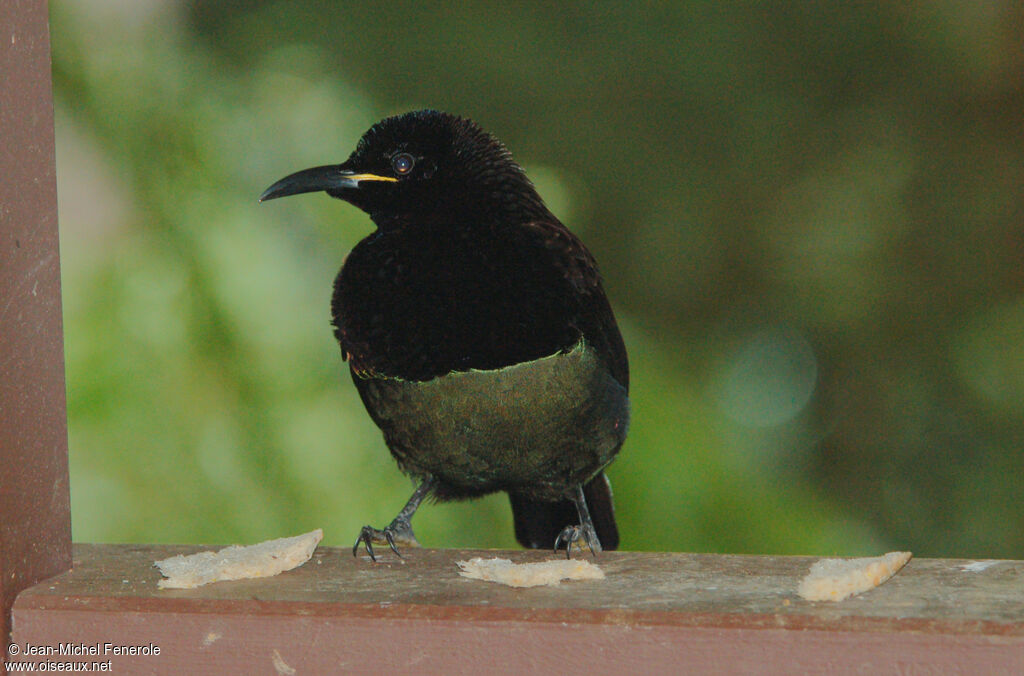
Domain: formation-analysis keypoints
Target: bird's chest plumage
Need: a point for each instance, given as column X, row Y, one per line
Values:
column 417, row 307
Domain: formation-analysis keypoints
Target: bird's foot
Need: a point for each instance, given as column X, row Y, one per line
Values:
column 578, row 535
column 397, row 532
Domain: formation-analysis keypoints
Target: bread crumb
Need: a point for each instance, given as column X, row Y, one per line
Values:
column 837, row 579
column 550, row 573
column 237, row 562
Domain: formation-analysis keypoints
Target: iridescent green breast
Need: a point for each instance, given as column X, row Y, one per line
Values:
column 538, row 428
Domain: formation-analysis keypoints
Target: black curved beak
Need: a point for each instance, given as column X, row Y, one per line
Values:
column 328, row 177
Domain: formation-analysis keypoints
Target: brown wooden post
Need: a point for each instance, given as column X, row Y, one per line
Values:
column 35, row 512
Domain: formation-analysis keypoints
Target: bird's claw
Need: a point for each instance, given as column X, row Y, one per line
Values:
column 368, row 535
column 571, row 535
column 396, row 531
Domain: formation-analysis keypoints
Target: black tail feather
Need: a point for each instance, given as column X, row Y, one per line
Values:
column 539, row 523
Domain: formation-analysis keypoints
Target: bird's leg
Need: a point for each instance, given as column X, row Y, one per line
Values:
column 585, row 531
column 400, row 528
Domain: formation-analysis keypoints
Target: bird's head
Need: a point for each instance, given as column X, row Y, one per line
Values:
column 424, row 168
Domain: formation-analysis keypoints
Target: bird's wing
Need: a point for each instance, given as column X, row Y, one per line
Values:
column 595, row 318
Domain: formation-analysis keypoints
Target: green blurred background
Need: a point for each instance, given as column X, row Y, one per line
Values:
column 809, row 217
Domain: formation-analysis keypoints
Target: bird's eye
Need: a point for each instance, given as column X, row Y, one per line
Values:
column 403, row 163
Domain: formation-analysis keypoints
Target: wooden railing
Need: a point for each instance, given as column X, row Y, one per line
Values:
column 654, row 613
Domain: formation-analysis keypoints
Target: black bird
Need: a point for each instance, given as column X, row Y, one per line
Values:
column 477, row 331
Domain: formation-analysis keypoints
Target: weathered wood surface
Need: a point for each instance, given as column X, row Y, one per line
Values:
column 35, row 512
column 654, row 613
